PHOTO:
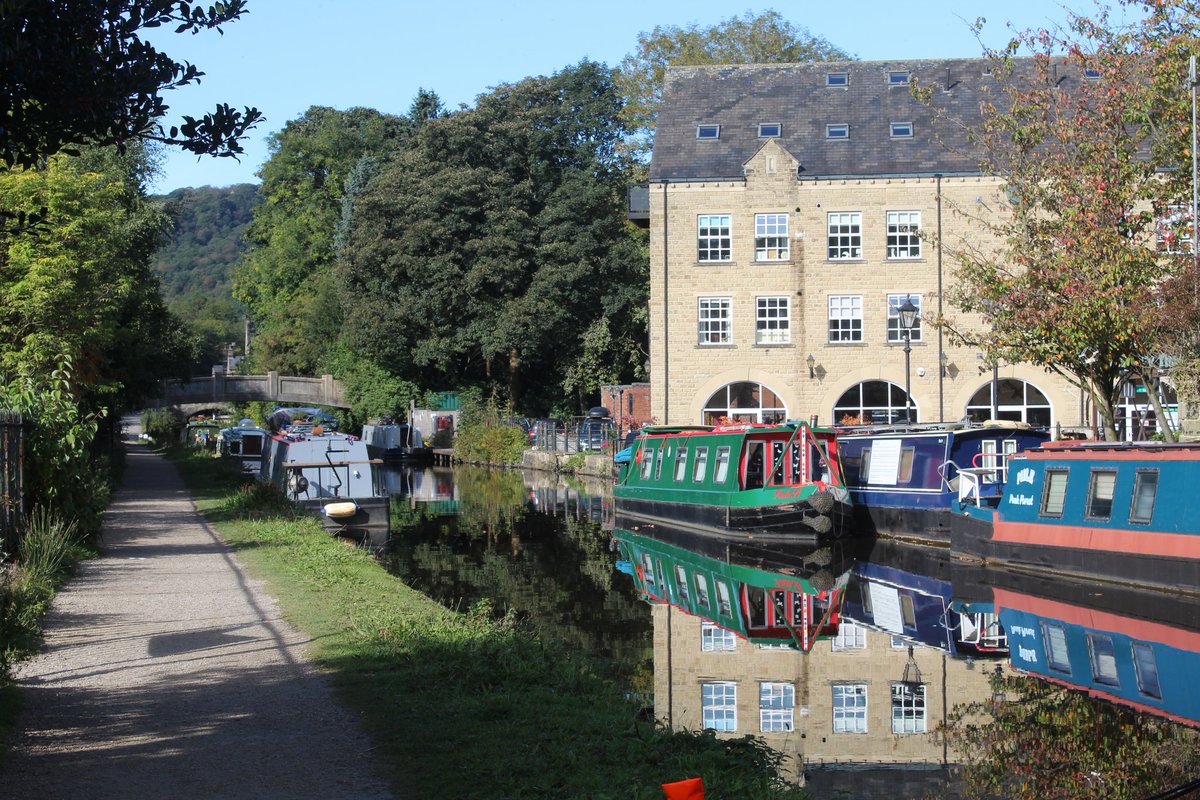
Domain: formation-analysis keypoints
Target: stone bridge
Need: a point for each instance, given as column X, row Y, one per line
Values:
column 220, row 389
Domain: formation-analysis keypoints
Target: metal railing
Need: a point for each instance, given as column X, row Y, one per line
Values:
column 12, row 479
column 579, row 435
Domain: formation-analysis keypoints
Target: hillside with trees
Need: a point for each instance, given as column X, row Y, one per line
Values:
column 207, row 239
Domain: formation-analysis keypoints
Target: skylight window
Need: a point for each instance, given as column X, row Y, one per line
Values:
column 898, row 78
column 770, row 130
column 902, row 130
column 1091, row 74
column 837, row 79
column 840, row 131
column 708, row 132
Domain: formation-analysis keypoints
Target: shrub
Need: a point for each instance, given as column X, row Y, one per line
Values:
column 164, row 425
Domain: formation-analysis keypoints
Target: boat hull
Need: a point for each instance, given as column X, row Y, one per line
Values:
column 780, row 521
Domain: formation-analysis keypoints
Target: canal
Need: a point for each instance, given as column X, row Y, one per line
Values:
column 867, row 665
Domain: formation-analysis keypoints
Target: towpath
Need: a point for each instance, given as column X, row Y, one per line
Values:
column 168, row 673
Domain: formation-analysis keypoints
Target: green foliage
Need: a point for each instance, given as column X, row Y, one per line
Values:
column 765, row 38
column 206, row 242
column 257, row 499
column 163, row 425
column 489, row 441
column 513, row 243
column 59, row 471
column 1042, row 741
column 79, row 72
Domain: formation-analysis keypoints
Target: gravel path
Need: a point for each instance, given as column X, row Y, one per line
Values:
column 167, row 673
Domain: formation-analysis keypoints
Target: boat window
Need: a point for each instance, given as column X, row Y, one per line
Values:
column 779, row 608
column 907, row 611
column 701, row 466
column 888, row 463
column 1010, row 449
column 777, row 469
column 701, row 591
column 647, row 463
column 724, row 604
column 1145, row 487
column 721, row 472
column 1104, row 659
column 681, row 585
column 988, row 459
column 1147, row 670
column 754, row 465
column 662, row 578
column 756, row 606
column 1100, row 493
column 658, row 462
column 648, row 570
column 906, row 465
column 1055, row 639
column 681, row 463
column 1054, row 493
column 864, row 467
column 252, row 445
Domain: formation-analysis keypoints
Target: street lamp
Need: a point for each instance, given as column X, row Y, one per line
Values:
column 908, row 319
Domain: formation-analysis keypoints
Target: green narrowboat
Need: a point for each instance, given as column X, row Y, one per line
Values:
column 752, row 480
column 787, row 595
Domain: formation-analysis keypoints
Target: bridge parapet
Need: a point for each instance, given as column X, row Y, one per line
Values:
column 272, row 387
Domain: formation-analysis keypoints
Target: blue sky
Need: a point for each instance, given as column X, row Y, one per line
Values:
column 288, row 55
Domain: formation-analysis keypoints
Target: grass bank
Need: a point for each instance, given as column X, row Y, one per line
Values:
column 462, row 705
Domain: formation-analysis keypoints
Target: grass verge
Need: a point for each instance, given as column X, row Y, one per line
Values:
column 461, row 705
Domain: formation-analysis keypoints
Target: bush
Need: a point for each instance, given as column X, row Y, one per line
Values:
column 163, row 425
column 484, row 439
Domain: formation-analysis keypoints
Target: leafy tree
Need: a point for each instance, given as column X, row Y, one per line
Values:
column 482, row 252
column 76, row 72
column 1069, row 286
column 1035, row 740
column 81, row 288
column 765, row 38
column 206, row 241
column 286, row 276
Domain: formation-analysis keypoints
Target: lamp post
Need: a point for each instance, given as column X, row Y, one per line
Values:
column 908, row 318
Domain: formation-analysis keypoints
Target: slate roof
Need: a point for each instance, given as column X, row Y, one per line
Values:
column 739, row 97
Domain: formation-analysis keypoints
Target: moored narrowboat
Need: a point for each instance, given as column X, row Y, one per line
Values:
column 1107, row 510
column 751, row 480
column 782, row 595
column 244, row 443
column 905, row 481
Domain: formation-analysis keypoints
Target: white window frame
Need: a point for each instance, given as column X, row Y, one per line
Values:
column 849, row 708
column 903, row 235
column 714, row 238
column 850, row 636
column 1173, row 229
column 776, row 707
column 765, row 128
column 899, row 77
column 894, row 301
column 838, row 80
column 718, row 703
column 846, row 313
column 772, row 242
column 843, row 236
column 714, row 321
column 910, row 712
column 773, row 319
column 715, row 639
column 837, row 131
column 901, row 130
column 708, row 131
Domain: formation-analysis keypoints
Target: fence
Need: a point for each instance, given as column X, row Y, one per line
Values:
column 12, row 479
column 580, row 435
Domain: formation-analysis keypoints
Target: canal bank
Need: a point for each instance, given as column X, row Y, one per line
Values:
column 168, row 672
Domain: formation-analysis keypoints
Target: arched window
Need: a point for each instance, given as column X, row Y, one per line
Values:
column 744, row 402
column 873, row 402
column 1136, row 420
column 1016, row 400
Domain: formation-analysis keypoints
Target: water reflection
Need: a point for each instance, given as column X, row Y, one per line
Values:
column 850, row 659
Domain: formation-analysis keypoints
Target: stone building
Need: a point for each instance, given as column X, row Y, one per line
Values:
column 794, row 209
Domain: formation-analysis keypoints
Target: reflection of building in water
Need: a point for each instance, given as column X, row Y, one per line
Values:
column 854, row 699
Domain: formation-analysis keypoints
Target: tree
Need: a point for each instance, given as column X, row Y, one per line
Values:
column 1069, row 132
column 75, row 72
column 485, row 249
column 286, row 276
column 766, row 38
column 1034, row 740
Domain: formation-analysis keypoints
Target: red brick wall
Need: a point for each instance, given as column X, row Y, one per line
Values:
column 629, row 405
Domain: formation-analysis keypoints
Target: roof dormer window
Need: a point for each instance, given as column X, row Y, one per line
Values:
column 708, row 132
column 898, row 78
column 838, row 131
column 770, row 130
column 902, row 130
column 837, row 79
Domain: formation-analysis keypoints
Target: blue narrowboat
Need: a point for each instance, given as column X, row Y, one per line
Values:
column 1104, row 510
column 1134, row 652
column 777, row 595
column 908, row 482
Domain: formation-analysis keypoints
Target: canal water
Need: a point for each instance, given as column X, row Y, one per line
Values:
column 869, row 657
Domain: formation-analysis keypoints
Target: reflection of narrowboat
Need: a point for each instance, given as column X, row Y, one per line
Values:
column 328, row 473
column 1131, row 646
column 785, row 595
column 905, row 481
column 244, row 442
column 752, row 480
column 1113, row 510
column 907, row 590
